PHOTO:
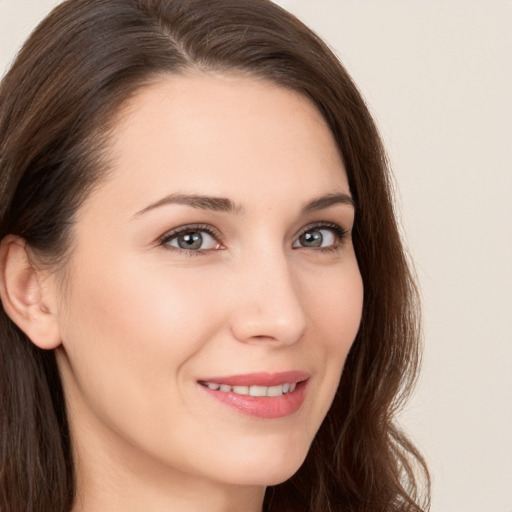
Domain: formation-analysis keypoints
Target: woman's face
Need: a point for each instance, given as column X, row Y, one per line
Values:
column 214, row 261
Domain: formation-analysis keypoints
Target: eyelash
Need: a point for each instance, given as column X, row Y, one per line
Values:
column 340, row 234
column 190, row 228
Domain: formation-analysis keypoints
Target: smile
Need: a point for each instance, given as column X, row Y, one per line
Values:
column 283, row 389
column 263, row 395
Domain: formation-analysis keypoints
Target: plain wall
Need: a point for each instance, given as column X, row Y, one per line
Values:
column 438, row 77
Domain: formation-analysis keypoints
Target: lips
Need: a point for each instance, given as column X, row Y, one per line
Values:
column 264, row 395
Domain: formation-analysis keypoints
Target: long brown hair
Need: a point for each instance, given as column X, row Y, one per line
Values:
column 57, row 108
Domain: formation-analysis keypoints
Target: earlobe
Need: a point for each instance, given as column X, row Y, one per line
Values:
column 29, row 304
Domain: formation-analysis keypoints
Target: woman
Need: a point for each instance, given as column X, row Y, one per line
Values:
column 206, row 305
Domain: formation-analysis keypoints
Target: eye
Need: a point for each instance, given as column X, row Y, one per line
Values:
column 320, row 237
column 191, row 238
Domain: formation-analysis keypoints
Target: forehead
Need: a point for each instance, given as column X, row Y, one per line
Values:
column 210, row 133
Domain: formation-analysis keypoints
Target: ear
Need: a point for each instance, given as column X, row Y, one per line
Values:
column 27, row 297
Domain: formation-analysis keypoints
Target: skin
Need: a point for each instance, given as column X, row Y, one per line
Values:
column 141, row 321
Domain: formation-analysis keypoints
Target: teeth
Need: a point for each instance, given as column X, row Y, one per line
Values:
column 253, row 390
column 275, row 391
column 241, row 390
column 258, row 391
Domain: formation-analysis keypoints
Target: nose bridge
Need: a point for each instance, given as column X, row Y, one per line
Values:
column 268, row 304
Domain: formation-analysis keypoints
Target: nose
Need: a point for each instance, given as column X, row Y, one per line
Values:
column 268, row 306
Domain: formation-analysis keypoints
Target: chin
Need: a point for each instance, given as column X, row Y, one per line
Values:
column 266, row 471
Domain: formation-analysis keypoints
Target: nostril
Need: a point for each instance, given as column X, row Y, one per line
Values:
column 266, row 328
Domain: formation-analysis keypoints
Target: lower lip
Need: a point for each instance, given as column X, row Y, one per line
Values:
column 267, row 407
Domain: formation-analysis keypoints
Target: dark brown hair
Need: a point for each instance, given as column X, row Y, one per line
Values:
column 57, row 107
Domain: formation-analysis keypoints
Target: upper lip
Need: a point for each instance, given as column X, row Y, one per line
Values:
column 260, row 378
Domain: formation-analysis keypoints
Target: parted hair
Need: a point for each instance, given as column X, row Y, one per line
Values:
column 58, row 105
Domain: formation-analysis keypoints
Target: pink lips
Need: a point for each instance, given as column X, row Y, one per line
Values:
column 261, row 406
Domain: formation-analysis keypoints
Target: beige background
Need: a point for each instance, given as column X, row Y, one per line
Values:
column 438, row 77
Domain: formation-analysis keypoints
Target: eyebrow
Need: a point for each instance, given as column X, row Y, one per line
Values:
column 225, row 205
column 322, row 202
column 215, row 204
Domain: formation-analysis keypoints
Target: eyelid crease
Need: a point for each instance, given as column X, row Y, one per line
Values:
column 339, row 230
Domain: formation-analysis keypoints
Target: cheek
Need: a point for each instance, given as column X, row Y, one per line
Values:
column 129, row 329
column 335, row 301
column 132, row 307
column 129, row 334
column 335, row 313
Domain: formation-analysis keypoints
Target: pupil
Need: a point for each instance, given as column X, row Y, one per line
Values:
column 312, row 239
column 190, row 241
